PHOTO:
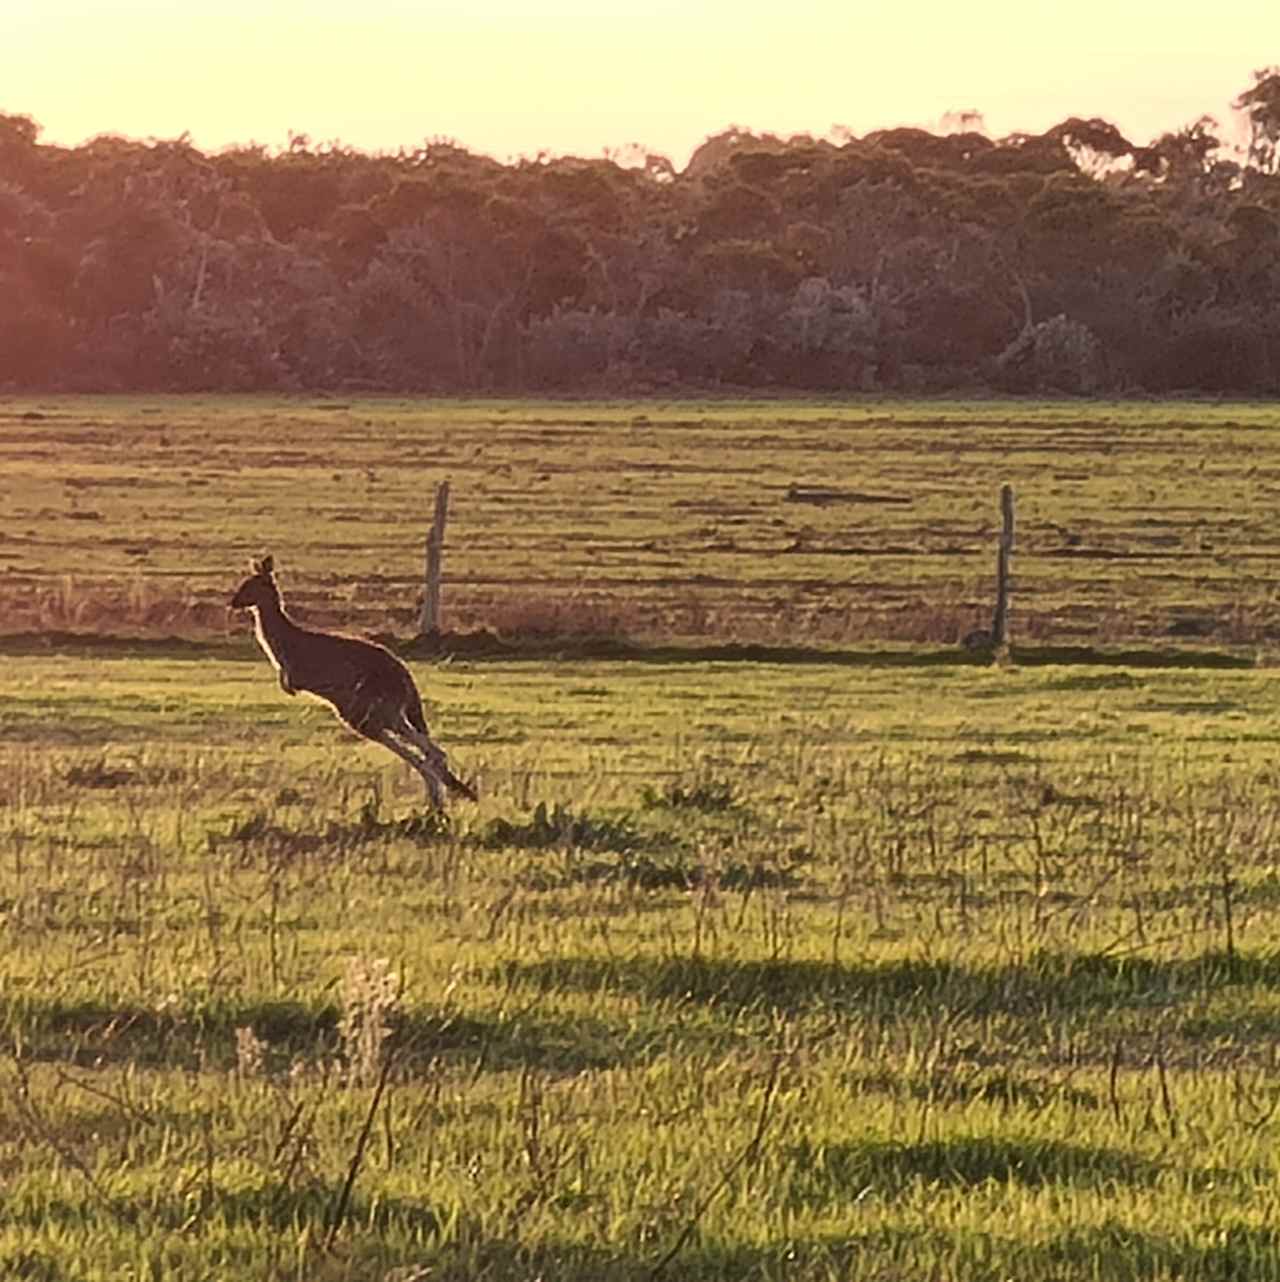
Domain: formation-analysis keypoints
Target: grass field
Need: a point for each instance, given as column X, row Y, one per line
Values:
column 879, row 963
column 1135, row 521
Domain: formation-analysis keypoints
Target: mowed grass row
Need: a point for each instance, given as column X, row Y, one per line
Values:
column 648, row 519
column 757, row 971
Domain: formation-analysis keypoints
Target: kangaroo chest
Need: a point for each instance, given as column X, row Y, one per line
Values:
column 274, row 651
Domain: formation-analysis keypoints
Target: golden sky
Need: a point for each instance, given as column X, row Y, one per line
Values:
column 513, row 77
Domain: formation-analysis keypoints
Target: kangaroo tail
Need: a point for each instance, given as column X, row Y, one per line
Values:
column 455, row 784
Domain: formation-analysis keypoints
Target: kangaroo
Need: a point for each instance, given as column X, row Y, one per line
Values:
column 366, row 685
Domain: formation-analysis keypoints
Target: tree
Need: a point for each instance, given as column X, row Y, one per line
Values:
column 1180, row 160
column 1261, row 106
column 905, row 258
column 35, row 332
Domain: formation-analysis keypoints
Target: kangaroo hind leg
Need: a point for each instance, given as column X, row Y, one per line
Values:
column 372, row 723
column 436, row 760
column 435, row 792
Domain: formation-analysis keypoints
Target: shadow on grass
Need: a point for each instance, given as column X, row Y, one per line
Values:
column 838, row 1173
column 1108, row 1253
column 1115, row 1253
column 266, row 1204
column 1045, row 985
column 1005, row 1089
column 259, row 832
column 1053, row 987
column 487, row 645
column 400, row 1240
column 90, row 1034
column 670, row 871
column 394, row 1240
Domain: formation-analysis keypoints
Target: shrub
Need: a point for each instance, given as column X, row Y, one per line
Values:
column 1057, row 355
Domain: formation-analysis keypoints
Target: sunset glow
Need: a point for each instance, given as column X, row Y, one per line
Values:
column 515, row 77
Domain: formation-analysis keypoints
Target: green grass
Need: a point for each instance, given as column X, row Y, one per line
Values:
column 755, row 970
column 1148, row 524
column 788, row 940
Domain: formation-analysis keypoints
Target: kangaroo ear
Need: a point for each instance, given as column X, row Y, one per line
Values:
column 267, row 565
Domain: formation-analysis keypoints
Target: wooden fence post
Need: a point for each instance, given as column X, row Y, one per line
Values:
column 1000, row 624
column 429, row 624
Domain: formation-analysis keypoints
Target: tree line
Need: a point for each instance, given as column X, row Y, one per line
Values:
column 1073, row 261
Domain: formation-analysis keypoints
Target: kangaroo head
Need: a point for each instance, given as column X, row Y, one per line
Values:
column 259, row 588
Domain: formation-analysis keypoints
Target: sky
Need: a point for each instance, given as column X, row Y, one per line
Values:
column 514, row 78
